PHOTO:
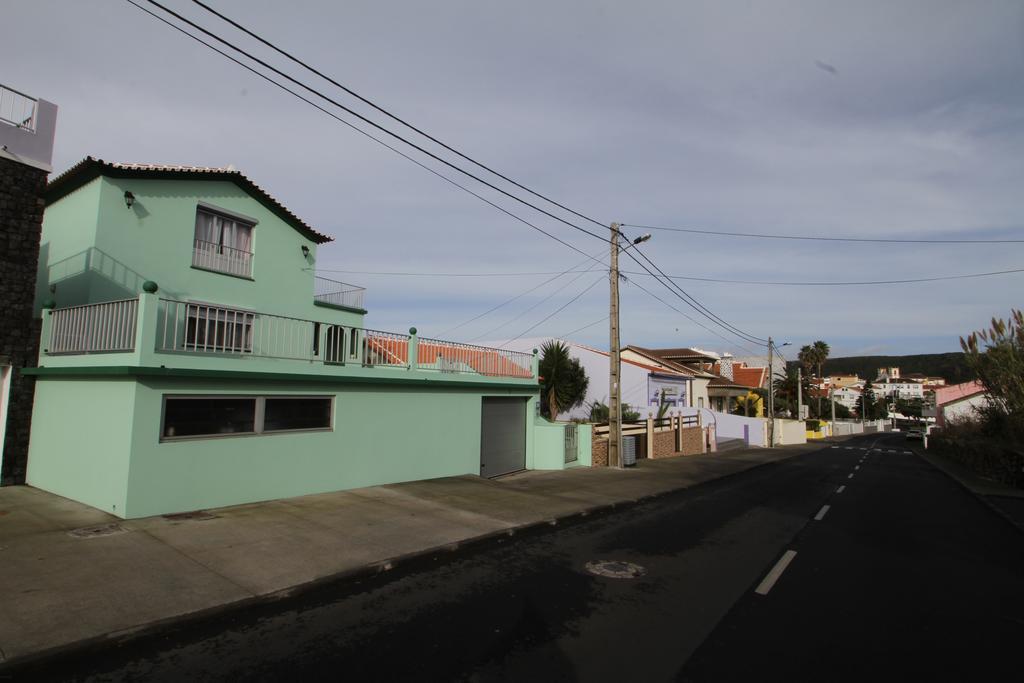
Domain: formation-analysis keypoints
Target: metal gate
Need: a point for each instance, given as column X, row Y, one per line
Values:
column 502, row 436
column 571, row 447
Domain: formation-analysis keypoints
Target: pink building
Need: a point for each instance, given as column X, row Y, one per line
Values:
column 958, row 400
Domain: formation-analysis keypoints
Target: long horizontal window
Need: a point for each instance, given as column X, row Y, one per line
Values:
column 209, row 416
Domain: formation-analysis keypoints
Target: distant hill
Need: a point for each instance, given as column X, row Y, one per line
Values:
column 950, row 366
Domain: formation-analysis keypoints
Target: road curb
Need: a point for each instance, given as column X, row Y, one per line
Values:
column 980, row 497
column 387, row 569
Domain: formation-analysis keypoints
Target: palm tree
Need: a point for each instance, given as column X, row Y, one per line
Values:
column 821, row 351
column 563, row 380
column 813, row 356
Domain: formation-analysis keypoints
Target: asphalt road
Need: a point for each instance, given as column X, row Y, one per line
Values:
column 904, row 575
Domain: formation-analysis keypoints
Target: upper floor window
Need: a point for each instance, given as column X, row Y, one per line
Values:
column 222, row 243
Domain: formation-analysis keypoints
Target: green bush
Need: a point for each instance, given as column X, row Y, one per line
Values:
column 992, row 458
column 813, row 425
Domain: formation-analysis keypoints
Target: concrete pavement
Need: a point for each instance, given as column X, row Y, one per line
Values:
column 71, row 575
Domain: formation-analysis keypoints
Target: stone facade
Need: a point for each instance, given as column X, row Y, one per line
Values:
column 664, row 444
column 599, row 452
column 21, row 218
column 693, row 440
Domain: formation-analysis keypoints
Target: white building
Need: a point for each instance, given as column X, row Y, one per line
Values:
column 643, row 384
column 847, row 396
column 894, row 389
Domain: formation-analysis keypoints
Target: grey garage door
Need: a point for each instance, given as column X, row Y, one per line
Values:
column 502, row 436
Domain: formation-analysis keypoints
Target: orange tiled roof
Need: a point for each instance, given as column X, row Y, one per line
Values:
column 91, row 167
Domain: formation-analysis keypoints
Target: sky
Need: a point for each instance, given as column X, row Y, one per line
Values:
column 832, row 119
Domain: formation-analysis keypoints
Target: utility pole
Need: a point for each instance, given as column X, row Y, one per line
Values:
column 614, row 365
column 771, row 398
column 832, row 398
column 799, row 393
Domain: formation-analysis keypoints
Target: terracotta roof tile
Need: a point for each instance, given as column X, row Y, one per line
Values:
column 91, row 167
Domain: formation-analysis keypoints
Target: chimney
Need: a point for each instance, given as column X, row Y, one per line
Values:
column 726, row 366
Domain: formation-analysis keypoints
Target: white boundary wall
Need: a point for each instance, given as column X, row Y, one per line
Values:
column 753, row 430
column 789, row 432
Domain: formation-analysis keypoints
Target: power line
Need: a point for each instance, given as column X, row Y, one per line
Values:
column 389, row 114
column 553, row 313
column 701, row 307
column 518, row 296
column 524, row 312
column 849, row 283
column 695, row 322
column 366, row 120
column 694, row 278
column 723, row 233
column 356, row 128
column 408, row 274
column 580, row 329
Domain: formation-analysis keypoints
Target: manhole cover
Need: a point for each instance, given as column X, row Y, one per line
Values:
column 614, row 569
column 97, row 531
column 197, row 515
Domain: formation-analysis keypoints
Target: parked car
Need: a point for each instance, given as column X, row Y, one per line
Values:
column 915, row 433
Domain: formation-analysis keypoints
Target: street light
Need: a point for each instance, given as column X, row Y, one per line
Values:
column 771, row 394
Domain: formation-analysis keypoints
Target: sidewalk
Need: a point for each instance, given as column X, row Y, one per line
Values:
column 70, row 574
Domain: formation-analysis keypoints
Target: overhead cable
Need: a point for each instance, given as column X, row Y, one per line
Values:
column 391, row 115
column 357, row 129
column 364, row 119
column 723, row 233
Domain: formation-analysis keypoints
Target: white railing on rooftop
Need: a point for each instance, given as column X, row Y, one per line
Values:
column 17, row 109
column 192, row 327
column 212, row 256
column 447, row 356
column 337, row 293
column 96, row 328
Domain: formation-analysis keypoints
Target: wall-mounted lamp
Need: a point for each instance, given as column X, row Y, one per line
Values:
column 129, row 198
column 305, row 251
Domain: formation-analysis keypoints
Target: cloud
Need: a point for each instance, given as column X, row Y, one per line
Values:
column 659, row 113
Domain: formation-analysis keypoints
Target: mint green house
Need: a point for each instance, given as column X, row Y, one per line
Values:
column 191, row 358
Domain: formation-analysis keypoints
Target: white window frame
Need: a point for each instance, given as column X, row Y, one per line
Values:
column 213, row 253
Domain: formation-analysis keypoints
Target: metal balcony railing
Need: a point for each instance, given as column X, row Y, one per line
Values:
column 337, row 293
column 17, row 109
column 217, row 257
column 96, row 328
column 203, row 328
column 190, row 327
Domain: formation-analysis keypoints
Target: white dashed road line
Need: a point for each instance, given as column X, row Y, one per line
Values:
column 775, row 573
column 849, row 476
column 821, row 513
column 841, row 488
column 856, row 467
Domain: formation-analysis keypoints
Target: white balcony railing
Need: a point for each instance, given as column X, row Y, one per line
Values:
column 189, row 327
column 337, row 293
column 17, row 109
column 449, row 356
column 217, row 257
column 96, row 328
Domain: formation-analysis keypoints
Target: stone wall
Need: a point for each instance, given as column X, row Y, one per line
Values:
column 664, row 444
column 692, row 438
column 599, row 452
column 21, row 219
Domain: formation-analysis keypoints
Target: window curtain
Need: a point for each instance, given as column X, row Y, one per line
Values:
column 207, row 229
column 236, row 235
column 223, row 232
